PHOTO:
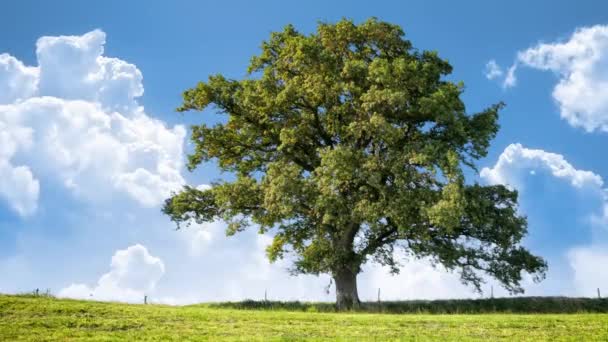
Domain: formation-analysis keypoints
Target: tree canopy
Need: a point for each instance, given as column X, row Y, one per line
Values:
column 347, row 144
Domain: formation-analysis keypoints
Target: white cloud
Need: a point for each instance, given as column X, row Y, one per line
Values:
column 493, row 70
column 133, row 274
column 581, row 63
column 82, row 146
column 73, row 67
column 589, row 267
column 516, row 158
column 199, row 237
column 16, row 80
column 19, row 188
column 417, row 279
column 586, row 261
column 510, row 79
column 75, row 119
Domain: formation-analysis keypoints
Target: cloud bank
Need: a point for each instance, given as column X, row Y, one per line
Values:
column 74, row 119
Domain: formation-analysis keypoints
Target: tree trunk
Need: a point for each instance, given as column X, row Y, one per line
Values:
column 347, row 297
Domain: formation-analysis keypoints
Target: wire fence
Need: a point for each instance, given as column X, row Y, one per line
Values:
column 549, row 304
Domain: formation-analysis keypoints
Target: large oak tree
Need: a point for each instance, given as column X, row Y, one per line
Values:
column 347, row 144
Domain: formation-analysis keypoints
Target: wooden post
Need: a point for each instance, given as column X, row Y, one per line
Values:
column 598, row 293
column 492, row 291
column 378, row 295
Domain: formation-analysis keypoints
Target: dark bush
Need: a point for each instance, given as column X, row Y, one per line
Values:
column 449, row 306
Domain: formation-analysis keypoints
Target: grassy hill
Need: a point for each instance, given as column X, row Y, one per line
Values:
column 33, row 318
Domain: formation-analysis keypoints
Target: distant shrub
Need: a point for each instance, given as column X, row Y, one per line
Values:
column 37, row 293
column 449, row 306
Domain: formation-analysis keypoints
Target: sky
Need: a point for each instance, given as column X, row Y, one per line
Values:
column 90, row 143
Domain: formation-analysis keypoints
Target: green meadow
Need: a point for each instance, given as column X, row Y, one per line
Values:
column 31, row 318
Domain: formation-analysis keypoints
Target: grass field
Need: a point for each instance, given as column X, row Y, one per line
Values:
column 39, row 318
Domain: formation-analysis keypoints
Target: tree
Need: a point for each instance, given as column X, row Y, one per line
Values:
column 347, row 144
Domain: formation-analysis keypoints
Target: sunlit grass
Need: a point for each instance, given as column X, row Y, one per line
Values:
column 41, row 318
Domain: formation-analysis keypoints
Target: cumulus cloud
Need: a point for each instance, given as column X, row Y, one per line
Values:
column 198, row 237
column 17, row 184
column 588, row 264
column 133, row 274
column 417, row 279
column 493, row 70
column 586, row 261
column 19, row 188
column 16, row 80
column 75, row 119
column 581, row 64
column 73, row 67
column 515, row 158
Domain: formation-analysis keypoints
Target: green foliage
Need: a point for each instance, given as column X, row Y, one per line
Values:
column 47, row 319
column 348, row 143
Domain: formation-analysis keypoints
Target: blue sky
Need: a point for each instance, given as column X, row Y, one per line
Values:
column 81, row 228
